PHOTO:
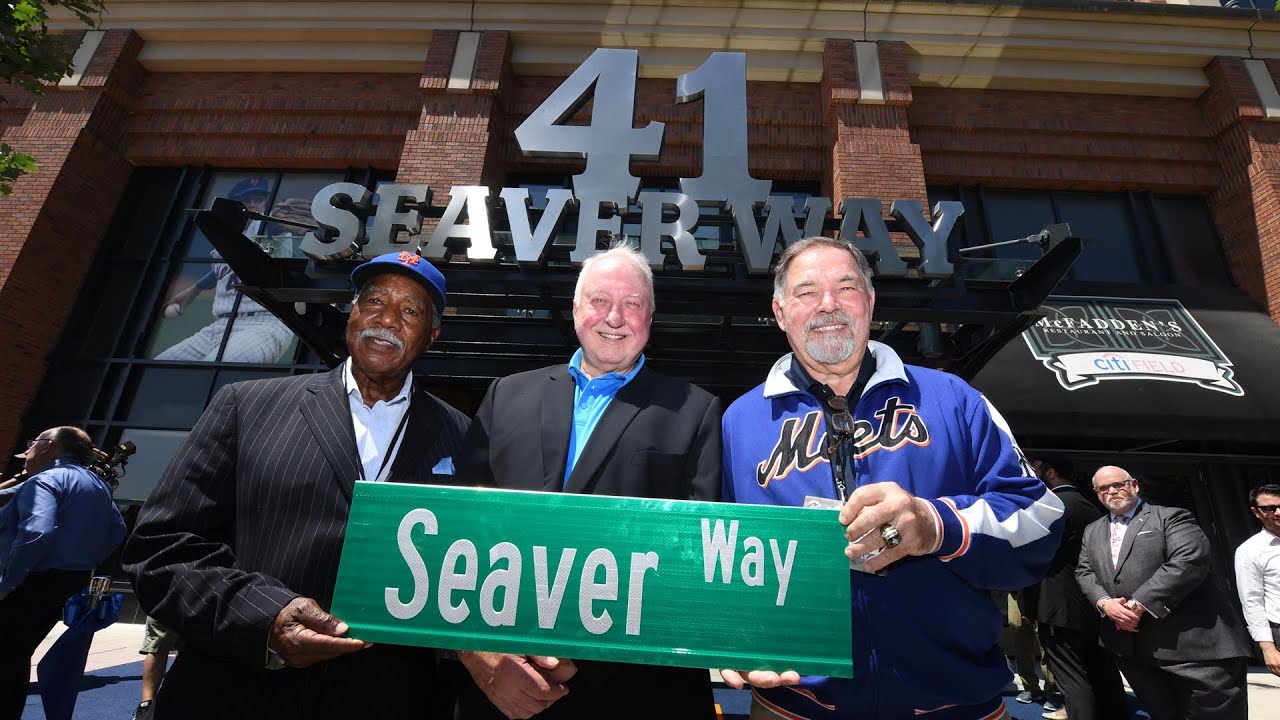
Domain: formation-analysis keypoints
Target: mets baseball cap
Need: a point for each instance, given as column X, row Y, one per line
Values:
column 249, row 186
column 406, row 263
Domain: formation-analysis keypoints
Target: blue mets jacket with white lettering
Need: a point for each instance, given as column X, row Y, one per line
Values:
column 925, row 634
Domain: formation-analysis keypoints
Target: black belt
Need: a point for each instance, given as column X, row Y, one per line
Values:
column 224, row 316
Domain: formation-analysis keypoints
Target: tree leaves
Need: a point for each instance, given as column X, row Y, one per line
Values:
column 30, row 57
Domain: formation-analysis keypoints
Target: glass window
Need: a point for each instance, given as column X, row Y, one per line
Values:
column 1106, row 220
column 293, row 202
column 254, row 190
column 155, row 449
column 1190, row 242
column 166, row 397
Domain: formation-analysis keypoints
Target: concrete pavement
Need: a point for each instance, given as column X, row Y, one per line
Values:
column 118, row 645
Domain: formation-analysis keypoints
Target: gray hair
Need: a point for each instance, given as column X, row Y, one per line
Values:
column 72, row 443
column 620, row 250
column 795, row 249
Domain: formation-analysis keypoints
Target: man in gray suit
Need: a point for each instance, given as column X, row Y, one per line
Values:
column 1173, row 631
column 237, row 548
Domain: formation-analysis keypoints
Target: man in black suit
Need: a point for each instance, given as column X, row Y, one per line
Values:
column 1175, row 635
column 237, row 548
column 1068, row 625
column 603, row 424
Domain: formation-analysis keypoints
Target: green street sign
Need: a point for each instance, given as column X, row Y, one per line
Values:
column 665, row 582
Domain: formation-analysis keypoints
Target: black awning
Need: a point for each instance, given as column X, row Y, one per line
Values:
column 1196, row 371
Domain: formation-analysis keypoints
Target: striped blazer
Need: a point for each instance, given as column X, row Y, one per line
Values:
column 250, row 514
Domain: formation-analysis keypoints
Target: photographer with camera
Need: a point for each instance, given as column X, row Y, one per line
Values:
column 59, row 525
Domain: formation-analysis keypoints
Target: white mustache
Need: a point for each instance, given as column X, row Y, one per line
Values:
column 836, row 316
column 380, row 333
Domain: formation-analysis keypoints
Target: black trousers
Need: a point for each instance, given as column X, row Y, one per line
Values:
column 1086, row 674
column 26, row 617
column 1196, row 690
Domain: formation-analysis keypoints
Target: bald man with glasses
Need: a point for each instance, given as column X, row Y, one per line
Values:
column 1177, row 639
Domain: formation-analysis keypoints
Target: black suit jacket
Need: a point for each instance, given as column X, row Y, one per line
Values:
column 659, row 438
column 1057, row 600
column 1163, row 564
column 250, row 514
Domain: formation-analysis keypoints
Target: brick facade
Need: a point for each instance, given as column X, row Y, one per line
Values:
column 52, row 224
column 1246, row 204
column 87, row 139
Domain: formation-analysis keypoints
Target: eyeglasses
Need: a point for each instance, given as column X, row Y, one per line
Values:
column 37, row 441
column 1102, row 489
column 1269, row 509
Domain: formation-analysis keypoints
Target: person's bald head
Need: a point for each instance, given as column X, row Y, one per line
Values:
column 57, row 443
column 1116, row 488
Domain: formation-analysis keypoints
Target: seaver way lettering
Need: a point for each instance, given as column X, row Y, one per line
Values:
column 499, row 595
column 800, row 445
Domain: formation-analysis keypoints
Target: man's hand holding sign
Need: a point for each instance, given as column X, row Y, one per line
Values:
column 867, row 516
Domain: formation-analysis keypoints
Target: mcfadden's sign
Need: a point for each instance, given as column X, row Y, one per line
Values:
column 606, row 188
column 1085, row 340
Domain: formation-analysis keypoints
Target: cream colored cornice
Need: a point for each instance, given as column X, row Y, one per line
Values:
column 1098, row 47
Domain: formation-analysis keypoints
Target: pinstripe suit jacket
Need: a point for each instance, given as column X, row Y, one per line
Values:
column 250, row 514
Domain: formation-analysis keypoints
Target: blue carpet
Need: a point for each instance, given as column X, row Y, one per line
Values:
column 107, row 694
column 112, row 694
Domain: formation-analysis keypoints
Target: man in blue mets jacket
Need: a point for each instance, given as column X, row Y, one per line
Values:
column 926, row 472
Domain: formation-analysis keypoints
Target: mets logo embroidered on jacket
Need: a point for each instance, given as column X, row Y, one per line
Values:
column 800, row 445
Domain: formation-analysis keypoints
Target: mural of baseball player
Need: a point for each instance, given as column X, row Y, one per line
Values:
column 256, row 335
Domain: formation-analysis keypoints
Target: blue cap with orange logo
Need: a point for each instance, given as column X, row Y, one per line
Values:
column 406, row 263
column 249, row 186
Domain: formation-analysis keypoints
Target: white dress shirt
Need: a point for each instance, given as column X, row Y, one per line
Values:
column 1258, row 579
column 376, row 426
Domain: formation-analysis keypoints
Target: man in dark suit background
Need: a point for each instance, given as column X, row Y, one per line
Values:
column 1175, row 635
column 237, row 548
column 604, row 424
column 1068, row 625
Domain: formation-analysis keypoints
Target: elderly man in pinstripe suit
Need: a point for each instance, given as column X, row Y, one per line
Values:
column 237, row 548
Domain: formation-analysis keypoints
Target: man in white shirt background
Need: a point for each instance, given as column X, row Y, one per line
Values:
column 1258, row 575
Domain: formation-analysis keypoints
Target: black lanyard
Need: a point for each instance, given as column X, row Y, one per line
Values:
column 386, row 457
column 841, row 449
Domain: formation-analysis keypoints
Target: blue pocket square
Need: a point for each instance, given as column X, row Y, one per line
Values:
column 444, row 467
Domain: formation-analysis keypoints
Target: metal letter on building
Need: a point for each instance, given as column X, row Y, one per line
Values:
column 531, row 244
column 590, row 224
column 392, row 218
column 653, row 229
column 342, row 232
column 863, row 214
column 476, row 229
column 610, row 141
column 931, row 240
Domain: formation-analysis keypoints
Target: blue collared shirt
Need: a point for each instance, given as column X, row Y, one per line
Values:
column 591, row 397
column 60, row 519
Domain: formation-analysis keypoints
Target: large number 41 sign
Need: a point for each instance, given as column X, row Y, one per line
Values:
column 608, row 79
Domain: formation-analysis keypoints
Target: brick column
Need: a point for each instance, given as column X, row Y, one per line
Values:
column 1246, row 203
column 459, row 136
column 871, row 153
column 53, row 224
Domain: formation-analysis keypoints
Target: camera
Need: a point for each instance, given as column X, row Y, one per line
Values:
column 110, row 466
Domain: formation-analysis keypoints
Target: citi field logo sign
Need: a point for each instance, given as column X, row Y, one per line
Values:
column 1086, row 340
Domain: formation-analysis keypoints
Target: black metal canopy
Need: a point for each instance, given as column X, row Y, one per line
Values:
column 713, row 328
